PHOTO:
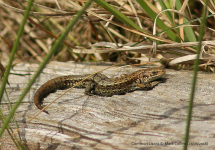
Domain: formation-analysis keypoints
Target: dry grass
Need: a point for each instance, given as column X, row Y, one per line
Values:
column 49, row 18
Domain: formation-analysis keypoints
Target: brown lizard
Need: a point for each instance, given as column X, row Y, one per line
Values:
column 99, row 84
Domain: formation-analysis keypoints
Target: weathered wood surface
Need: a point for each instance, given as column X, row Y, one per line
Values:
column 137, row 120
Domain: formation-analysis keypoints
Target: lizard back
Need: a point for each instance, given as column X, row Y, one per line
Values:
column 127, row 83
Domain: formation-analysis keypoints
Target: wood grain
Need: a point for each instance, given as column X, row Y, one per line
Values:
column 153, row 119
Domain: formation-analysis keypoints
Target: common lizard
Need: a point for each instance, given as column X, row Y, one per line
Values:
column 99, row 84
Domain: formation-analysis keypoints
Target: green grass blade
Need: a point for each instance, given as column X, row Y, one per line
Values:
column 123, row 18
column 168, row 14
column 186, row 23
column 190, row 36
column 189, row 115
column 6, row 74
column 54, row 49
column 160, row 23
column 7, row 71
column 16, row 141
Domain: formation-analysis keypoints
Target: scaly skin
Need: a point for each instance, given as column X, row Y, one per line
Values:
column 100, row 84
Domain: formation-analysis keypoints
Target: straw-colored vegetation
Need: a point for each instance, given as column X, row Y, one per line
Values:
column 132, row 22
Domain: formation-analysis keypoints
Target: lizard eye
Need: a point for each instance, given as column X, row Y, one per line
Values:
column 154, row 72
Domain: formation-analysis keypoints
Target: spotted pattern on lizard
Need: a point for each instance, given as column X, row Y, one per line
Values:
column 99, row 84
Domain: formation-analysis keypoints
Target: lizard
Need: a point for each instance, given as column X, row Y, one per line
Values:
column 99, row 84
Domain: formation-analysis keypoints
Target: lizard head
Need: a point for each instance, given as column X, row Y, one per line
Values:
column 150, row 74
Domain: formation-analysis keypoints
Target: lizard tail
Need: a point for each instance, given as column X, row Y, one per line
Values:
column 47, row 88
column 37, row 102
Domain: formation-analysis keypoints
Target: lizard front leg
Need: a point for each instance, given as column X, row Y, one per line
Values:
column 147, row 85
column 90, row 88
column 143, row 86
